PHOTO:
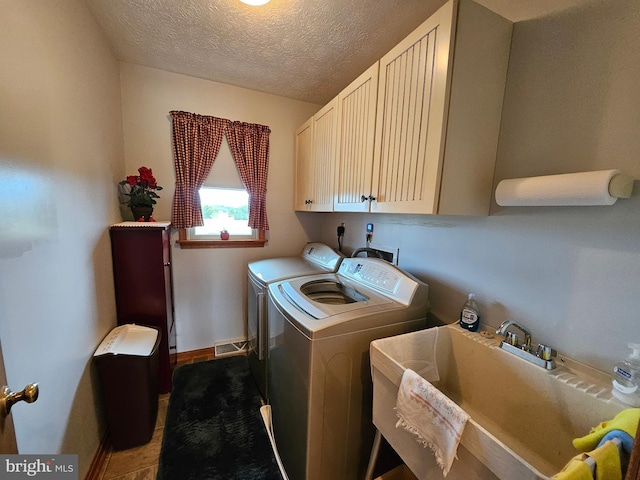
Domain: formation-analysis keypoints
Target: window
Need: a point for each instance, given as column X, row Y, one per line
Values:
column 223, row 208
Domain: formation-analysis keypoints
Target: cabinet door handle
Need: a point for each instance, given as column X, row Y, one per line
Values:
column 168, row 264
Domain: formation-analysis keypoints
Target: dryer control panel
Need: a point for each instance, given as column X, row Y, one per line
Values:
column 322, row 255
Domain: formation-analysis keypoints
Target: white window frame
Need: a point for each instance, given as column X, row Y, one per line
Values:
column 191, row 232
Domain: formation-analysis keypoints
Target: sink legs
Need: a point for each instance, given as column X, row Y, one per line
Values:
column 374, row 455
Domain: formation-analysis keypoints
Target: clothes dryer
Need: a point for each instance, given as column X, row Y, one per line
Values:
column 319, row 374
column 315, row 258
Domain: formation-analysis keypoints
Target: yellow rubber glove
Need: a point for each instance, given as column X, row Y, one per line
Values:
column 576, row 469
column 627, row 421
column 607, row 459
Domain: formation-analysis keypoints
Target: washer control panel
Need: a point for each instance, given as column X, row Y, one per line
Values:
column 374, row 275
column 381, row 276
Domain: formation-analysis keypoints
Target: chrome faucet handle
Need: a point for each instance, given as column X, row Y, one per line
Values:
column 512, row 338
column 545, row 352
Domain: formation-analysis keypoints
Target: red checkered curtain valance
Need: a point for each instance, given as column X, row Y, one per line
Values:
column 196, row 143
column 249, row 144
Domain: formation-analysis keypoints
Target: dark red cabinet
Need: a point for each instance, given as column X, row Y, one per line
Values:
column 141, row 255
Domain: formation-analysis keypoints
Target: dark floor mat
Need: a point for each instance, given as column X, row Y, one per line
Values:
column 214, row 429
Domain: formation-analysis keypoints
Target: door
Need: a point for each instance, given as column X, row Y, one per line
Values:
column 325, row 141
column 142, row 280
column 304, row 152
column 316, row 151
column 257, row 334
column 357, row 118
column 411, row 114
column 7, row 433
column 289, row 372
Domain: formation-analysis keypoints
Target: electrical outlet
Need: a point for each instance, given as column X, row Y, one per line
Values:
column 369, row 235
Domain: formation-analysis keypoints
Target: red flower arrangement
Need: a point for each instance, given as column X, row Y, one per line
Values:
column 143, row 188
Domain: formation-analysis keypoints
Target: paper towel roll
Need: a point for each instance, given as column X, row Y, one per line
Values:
column 569, row 189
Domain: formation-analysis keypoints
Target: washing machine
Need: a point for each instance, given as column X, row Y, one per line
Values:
column 320, row 384
column 315, row 258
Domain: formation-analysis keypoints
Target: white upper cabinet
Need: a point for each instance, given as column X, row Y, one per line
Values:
column 418, row 131
column 316, row 152
column 439, row 106
column 357, row 114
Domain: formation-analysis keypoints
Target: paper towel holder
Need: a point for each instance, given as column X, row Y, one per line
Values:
column 621, row 185
column 569, row 189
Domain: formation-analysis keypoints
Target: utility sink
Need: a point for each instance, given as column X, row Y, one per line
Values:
column 523, row 417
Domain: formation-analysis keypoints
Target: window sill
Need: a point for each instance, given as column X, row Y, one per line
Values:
column 186, row 243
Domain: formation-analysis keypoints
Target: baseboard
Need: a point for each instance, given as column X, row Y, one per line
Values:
column 195, row 355
column 99, row 463
column 226, row 348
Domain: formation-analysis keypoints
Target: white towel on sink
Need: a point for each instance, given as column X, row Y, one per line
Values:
column 436, row 420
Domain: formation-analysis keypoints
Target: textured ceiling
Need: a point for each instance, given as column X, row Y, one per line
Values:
column 303, row 49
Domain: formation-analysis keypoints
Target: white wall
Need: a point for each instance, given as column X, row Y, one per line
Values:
column 210, row 284
column 60, row 158
column 571, row 275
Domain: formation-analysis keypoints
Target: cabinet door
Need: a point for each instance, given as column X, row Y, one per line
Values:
column 303, row 167
column 357, row 116
column 411, row 118
column 316, row 151
column 143, row 286
column 325, row 141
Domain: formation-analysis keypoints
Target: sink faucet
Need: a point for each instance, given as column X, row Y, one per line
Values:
column 542, row 357
column 504, row 326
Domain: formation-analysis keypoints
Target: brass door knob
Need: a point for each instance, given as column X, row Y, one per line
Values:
column 9, row 398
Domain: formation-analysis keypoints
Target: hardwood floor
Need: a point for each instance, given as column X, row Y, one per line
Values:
column 141, row 463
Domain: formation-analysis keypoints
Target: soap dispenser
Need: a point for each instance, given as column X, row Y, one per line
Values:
column 470, row 315
column 626, row 378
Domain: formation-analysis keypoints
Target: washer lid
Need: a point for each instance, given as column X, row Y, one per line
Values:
column 129, row 339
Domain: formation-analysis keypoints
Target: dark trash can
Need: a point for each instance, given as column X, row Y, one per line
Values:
column 127, row 362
